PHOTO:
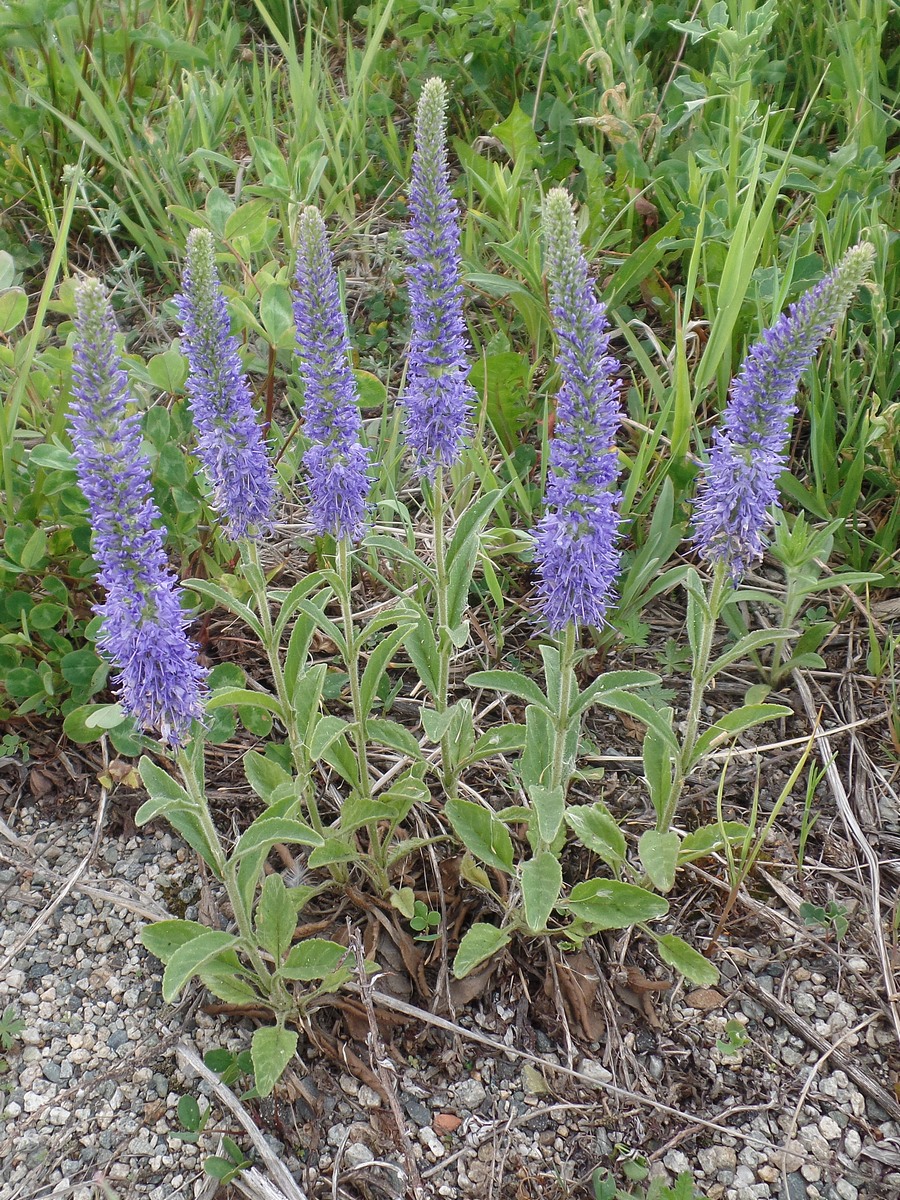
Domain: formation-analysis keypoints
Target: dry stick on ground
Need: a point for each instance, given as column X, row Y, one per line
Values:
column 44, row 916
column 807, row 1087
column 866, row 1084
column 283, row 1186
column 149, row 912
column 841, row 799
column 383, row 1066
column 472, row 1035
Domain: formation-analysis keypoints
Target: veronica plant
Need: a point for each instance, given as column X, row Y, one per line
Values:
column 733, row 512
column 339, row 482
column 162, row 685
column 577, row 558
column 159, row 681
column 438, row 400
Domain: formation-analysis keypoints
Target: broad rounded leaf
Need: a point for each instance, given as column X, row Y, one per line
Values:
column 608, row 904
column 481, row 833
column 272, row 1048
column 659, row 857
column 480, row 943
column 541, row 884
column 189, row 958
column 314, row 958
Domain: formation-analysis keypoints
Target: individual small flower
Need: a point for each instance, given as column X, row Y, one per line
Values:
column 337, row 461
column 230, row 443
column 739, row 485
column 575, row 550
column 437, row 394
column 159, row 681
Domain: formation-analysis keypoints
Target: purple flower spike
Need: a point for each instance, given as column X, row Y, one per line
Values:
column 337, row 461
column 160, row 682
column 739, row 484
column 576, row 550
column 437, row 395
column 230, row 442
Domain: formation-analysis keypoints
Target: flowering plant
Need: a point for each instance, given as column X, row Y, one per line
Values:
column 363, row 838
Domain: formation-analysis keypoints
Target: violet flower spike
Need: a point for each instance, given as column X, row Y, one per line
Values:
column 738, row 487
column 437, row 395
column 575, row 550
column 337, row 461
column 159, row 682
column 230, row 442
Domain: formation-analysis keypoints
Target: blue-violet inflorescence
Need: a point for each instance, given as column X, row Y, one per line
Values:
column 159, row 681
column 337, row 461
column 739, row 485
column 437, row 394
column 576, row 551
column 230, row 443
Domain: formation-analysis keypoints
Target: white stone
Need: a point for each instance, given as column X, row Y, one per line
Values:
column 829, row 1129
column 852, row 1144
column 717, row 1158
column 676, row 1162
column 58, row 1115
column 432, row 1142
column 595, row 1071
column 358, row 1155
column 846, row 1190
column 16, row 980
column 469, row 1093
column 804, row 1003
column 368, row 1097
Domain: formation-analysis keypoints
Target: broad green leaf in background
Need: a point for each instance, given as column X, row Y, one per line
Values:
column 541, row 885
column 478, row 944
column 608, row 904
column 481, row 833
column 659, row 857
column 272, row 1048
column 684, row 958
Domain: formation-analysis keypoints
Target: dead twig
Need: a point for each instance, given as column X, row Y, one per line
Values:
column 848, row 816
column 472, row 1035
column 866, row 1084
column 46, row 913
column 282, row 1185
column 383, row 1066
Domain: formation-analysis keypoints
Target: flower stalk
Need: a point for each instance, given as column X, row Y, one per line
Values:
column 230, row 442
column 159, row 679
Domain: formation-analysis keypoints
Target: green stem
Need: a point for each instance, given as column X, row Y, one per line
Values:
column 255, row 576
column 699, row 681
column 360, row 733
column 225, row 869
column 377, row 848
column 567, row 648
column 792, row 600
column 195, row 791
column 444, row 643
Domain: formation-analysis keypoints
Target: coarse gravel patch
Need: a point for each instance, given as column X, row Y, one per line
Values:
column 93, row 1080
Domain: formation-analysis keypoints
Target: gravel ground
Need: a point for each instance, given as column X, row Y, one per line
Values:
column 92, row 1082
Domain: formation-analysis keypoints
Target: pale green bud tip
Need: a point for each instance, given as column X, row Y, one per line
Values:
column 857, row 263
column 431, row 111
column 559, row 216
column 92, row 311
column 311, row 226
column 201, row 256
